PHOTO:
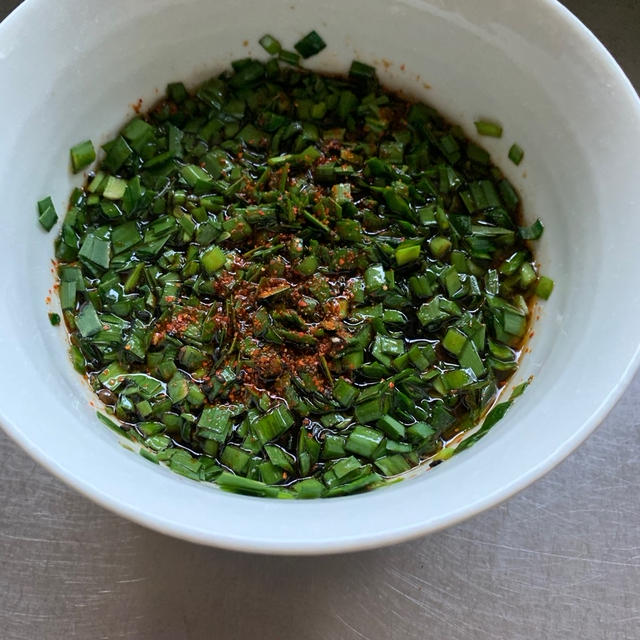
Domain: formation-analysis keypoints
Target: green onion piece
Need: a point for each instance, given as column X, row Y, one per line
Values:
column 309, row 488
column 333, row 447
column 527, row 275
column 344, row 392
column 235, row 458
column 367, row 480
column 375, row 278
column 516, row 154
column 114, row 426
column 118, row 152
column 392, row 465
column 363, row 441
column 238, row 484
column 439, row 246
column 486, row 128
column 371, row 410
column 213, row 259
column 419, row 432
column 454, row 341
column 408, row 251
column 82, row 155
column 54, row 319
column 177, row 92
column 532, row 232
column 280, row 458
column 87, row 321
column 96, row 250
column 273, row 424
column 361, row 71
column 270, row 44
column 216, row 421
column 47, row 216
column 391, row 427
column 544, row 287
column 114, row 188
column 290, row 57
column 310, row 45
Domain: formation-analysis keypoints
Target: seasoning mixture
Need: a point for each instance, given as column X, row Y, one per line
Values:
column 295, row 285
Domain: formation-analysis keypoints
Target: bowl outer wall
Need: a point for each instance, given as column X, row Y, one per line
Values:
column 68, row 69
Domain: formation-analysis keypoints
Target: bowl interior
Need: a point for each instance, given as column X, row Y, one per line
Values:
column 533, row 67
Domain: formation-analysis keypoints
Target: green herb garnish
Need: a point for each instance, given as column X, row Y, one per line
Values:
column 486, row 128
column 295, row 285
column 82, row 155
column 47, row 216
column 516, row 154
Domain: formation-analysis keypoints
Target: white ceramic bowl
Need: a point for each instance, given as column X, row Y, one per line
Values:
column 70, row 68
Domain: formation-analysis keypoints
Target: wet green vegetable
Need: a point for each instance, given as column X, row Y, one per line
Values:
column 295, row 285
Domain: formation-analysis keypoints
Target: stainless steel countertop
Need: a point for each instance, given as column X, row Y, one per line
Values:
column 560, row 560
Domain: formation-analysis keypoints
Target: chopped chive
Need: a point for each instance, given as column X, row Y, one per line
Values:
column 532, row 232
column 47, row 216
column 516, row 154
column 279, row 285
column 290, row 57
column 213, row 259
column 544, row 287
column 363, row 441
column 96, row 250
column 82, row 155
column 486, row 128
column 177, row 92
column 391, row 427
column 392, row 465
column 270, row 44
column 361, row 71
column 310, row 45
column 406, row 252
column 87, row 321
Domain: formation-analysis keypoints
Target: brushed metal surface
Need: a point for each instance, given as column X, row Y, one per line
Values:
column 560, row 560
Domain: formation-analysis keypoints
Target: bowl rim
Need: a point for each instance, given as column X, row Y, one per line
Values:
column 391, row 535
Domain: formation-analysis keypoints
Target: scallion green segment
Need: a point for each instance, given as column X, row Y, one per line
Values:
column 544, row 287
column 82, row 155
column 294, row 285
column 486, row 128
column 270, row 44
column 47, row 216
column 516, row 154
column 311, row 44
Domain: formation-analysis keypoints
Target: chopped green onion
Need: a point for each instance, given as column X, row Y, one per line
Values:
column 361, row 71
column 363, row 441
column 407, row 252
column 310, row 45
column 544, row 287
column 47, row 216
column 270, row 44
column 82, row 155
column 486, row 128
column 294, row 285
column 532, row 232
column 87, row 321
column 290, row 57
column 516, row 154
